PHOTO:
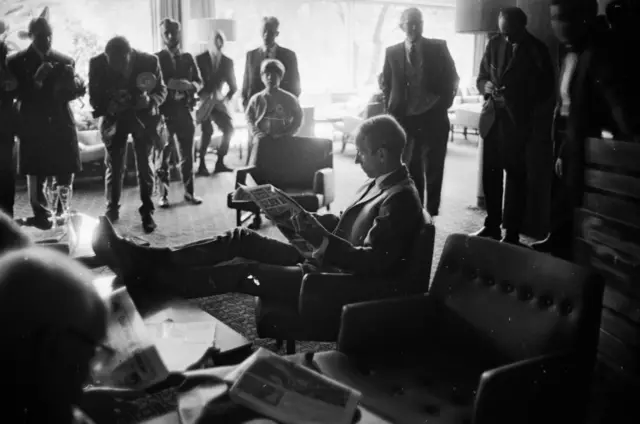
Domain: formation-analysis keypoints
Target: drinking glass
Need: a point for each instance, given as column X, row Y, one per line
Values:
column 64, row 195
column 51, row 195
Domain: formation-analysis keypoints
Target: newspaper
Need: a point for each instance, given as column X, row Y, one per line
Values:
column 290, row 393
column 135, row 362
column 279, row 208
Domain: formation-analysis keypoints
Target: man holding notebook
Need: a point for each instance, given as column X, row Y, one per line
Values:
column 372, row 237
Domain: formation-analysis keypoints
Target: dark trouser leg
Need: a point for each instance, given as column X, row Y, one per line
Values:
column 273, row 281
column 205, row 140
column 166, row 156
column 223, row 121
column 115, row 162
column 492, row 181
column 37, row 199
column 184, row 135
column 237, row 243
column 143, row 150
column 7, row 174
column 515, row 199
column 417, row 167
column 436, row 135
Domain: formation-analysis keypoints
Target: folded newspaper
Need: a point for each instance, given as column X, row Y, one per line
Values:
column 291, row 393
column 279, row 208
column 135, row 362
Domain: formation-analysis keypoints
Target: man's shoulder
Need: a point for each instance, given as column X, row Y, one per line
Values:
column 146, row 58
column 201, row 56
column 226, row 60
column 98, row 59
column 395, row 47
column 61, row 57
column 285, row 51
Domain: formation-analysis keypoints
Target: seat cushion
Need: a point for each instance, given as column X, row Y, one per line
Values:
column 434, row 387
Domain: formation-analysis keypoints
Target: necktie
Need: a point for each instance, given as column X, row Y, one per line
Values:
column 413, row 55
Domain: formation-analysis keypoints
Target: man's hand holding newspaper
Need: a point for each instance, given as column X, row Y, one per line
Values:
column 299, row 226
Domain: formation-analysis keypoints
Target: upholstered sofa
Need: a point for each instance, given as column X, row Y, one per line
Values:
column 505, row 335
column 464, row 114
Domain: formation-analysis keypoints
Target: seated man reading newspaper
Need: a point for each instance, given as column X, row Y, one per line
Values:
column 372, row 237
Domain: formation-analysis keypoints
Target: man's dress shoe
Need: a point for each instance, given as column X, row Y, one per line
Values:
column 148, row 224
column 192, row 199
column 164, row 202
column 488, row 232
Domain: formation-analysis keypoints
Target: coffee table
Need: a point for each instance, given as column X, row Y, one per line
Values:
column 185, row 335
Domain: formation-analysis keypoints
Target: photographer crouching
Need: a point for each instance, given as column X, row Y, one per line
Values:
column 126, row 90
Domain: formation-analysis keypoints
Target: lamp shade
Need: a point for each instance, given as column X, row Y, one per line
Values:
column 202, row 30
column 479, row 16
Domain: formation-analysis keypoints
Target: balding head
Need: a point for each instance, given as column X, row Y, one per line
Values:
column 51, row 322
column 11, row 236
column 380, row 141
column 411, row 23
column 270, row 30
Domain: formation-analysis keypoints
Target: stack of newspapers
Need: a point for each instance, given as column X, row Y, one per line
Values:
column 290, row 393
column 131, row 359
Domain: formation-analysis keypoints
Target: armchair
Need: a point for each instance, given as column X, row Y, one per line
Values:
column 316, row 317
column 301, row 166
column 505, row 335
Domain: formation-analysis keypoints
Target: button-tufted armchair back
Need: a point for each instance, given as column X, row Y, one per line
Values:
column 517, row 302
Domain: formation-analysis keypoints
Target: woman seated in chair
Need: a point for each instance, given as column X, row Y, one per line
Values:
column 273, row 112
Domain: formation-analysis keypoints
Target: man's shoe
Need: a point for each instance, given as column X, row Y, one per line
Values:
column 164, row 202
column 545, row 246
column 192, row 198
column 488, row 232
column 512, row 238
column 257, row 222
column 221, row 167
column 202, row 171
column 112, row 215
column 148, row 224
column 105, row 242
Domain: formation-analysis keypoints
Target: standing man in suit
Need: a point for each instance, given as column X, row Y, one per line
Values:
column 46, row 84
column 216, row 70
column 419, row 83
column 7, row 134
column 126, row 109
column 516, row 77
column 252, row 83
column 373, row 237
column 182, row 78
column 596, row 92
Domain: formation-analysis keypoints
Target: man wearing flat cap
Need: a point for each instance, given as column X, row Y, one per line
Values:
column 182, row 77
column 46, row 84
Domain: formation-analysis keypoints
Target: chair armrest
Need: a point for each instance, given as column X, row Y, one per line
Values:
column 241, row 174
column 387, row 325
column 324, row 183
column 535, row 389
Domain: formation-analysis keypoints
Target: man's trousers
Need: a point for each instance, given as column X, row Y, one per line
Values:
column 181, row 132
column 425, row 154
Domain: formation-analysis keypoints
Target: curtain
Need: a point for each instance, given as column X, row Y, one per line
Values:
column 480, row 43
column 161, row 9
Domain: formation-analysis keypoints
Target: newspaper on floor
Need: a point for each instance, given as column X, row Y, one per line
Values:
column 290, row 393
column 134, row 362
column 279, row 208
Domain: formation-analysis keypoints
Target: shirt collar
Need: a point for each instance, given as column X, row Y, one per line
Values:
column 407, row 43
column 35, row 49
column 177, row 52
column 269, row 49
column 381, row 178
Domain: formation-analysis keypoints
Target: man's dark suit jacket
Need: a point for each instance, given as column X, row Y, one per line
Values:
column 213, row 79
column 46, row 126
column 528, row 79
column 252, row 83
column 375, row 235
column 183, row 67
column 439, row 72
column 103, row 81
column 603, row 97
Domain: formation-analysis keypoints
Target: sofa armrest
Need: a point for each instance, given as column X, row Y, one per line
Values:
column 323, row 295
column 241, row 174
column 535, row 389
column 387, row 326
column 324, row 183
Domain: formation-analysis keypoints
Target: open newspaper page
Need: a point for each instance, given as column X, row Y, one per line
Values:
column 279, row 208
column 136, row 362
column 291, row 393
